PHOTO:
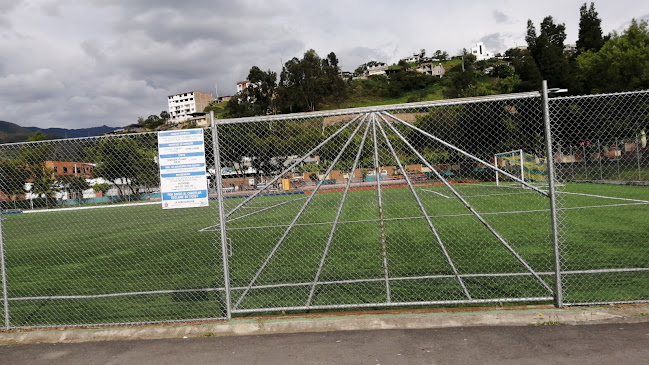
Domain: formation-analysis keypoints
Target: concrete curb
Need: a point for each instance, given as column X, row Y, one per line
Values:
column 397, row 319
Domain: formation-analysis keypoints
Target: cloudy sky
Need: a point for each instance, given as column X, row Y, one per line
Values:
column 85, row 63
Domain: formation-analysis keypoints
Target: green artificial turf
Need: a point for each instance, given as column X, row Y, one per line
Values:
column 55, row 259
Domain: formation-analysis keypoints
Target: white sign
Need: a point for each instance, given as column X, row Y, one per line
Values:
column 183, row 180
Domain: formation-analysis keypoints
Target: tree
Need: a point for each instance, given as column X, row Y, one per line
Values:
column 262, row 90
column 526, row 69
column 464, row 83
column 37, row 136
column 590, row 30
column 14, row 175
column 44, row 184
column 337, row 86
column 75, row 184
column 33, row 156
column 305, row 83
column 547, row 51
column 503, row 70
column 440, row 55
column 363, row 68
column 153, row 121
column 103, row 188
column 239, row 106
column 621, row 64
column 126, row 162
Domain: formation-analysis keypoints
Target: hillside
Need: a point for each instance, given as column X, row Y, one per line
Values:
column 11, row 132
column 74, row 133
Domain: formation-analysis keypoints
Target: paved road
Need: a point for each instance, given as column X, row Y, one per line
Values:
column 559, row 344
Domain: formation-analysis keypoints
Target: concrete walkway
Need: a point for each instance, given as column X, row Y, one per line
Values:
column 613, row 343
column 342, row 321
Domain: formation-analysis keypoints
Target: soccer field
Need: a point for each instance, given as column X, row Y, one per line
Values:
column 132, row 263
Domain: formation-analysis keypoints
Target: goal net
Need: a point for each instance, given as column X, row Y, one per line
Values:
column 525, row 166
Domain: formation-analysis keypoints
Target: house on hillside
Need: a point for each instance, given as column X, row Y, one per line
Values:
column 379, row 69
column 242, row 85
column 432, row 69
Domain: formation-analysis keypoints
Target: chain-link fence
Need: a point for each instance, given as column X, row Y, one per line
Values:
column 602, row 163
column 434, row 203
column 86, row 241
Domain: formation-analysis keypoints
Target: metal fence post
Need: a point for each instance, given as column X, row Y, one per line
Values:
column 637, row 150
column 618, row 150
column 599, row 159
column 221, row 209
column 5, row 294
column 558, row 294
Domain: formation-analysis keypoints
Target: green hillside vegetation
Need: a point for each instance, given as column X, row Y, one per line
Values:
column 612, row 63
column 10, row 133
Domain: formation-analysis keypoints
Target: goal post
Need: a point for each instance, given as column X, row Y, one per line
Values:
column 512, row 162
column 525, row 166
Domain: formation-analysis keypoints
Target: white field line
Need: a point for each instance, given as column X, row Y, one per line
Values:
column 435, row 216
column 91, row 207
column 333, row 282
column 485, row 195
column 434, row 192
column 567, row 193
column 216, row 226
column 605, row 197
column 265, row 209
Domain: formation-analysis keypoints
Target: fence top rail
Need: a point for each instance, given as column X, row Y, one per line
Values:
column 87, row 138
column 623, row 93
column 378, row 108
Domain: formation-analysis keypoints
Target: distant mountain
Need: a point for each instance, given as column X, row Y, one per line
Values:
column 11, row 132
column 74, row 133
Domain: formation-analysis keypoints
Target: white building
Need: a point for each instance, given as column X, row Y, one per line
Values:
column 379, row 69
column 182, row 105
column 242, row 85
column 429, row 68
column 480, row 52
column 412, row 59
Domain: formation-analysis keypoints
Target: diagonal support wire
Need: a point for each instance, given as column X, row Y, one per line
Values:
column 471, row 209
column 384, row 248
column 338, row 213
column 299, row 214
column 292, row 166
column 457, row 149
column 423, row 210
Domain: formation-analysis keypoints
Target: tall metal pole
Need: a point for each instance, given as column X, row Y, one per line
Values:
column 617, row 152
column 5, row 294
column 496, row 165
column 522, row 158
column 221, row 209
column 637, row 149
column 599, row 159
column 572, row 163
column 384, row 246
column 583, row 154
column 558, row 291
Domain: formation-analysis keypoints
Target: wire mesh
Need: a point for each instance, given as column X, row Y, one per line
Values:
column 88, row 242
column 433, row 203
column 386, row 206
column 602, row 166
